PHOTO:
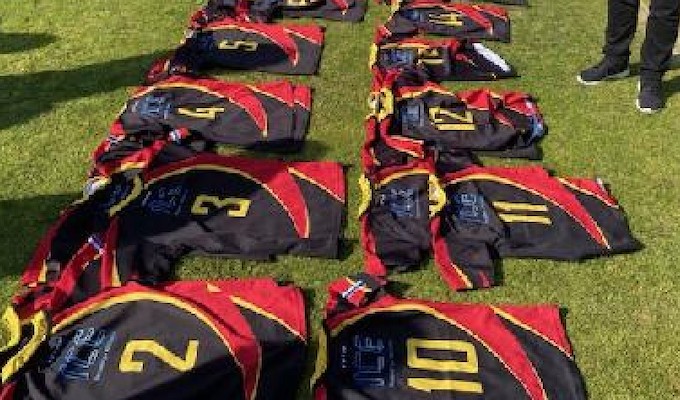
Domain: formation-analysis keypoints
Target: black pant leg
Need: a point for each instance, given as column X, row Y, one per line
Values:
column 662, row 32
column 621, row 24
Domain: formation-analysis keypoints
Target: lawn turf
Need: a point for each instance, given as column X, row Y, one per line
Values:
column 66, row 68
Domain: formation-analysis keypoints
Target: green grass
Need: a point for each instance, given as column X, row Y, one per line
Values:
column 66, row 68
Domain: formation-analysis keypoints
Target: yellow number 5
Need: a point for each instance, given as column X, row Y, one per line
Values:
column 129, row 364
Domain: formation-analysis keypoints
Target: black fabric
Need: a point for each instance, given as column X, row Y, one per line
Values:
column 661, row 33
column 445, row 59
column 462, row 21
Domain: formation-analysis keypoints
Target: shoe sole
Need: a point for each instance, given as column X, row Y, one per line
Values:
column 620, row 75
column 644, row 110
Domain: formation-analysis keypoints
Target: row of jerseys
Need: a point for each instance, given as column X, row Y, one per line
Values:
column 247, row 339
column 426, row 192
column 237, row 34
column 424, row 189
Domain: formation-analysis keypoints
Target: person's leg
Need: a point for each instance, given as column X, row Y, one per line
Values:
column 621, row 24
column 662, row 32
column 656, row 52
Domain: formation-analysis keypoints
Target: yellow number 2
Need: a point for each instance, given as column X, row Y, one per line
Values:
column 129, row 364
column 469, row 364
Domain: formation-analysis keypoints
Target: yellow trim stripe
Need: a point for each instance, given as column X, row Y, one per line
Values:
column 522, row 325
column 589, row 193
column 257, row 310
column 302, row 176
column 507, row 206
column 39, row 323
column 134, row 193
column 531, row 219
column 398, row 175
column 10, row 324
column 174, row 85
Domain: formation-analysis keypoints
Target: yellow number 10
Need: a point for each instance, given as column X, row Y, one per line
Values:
column 468, row 365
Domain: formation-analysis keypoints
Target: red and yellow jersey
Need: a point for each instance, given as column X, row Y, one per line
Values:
column 387, row 348
column 267, row 10
column 412, row 117
column 523, row 212
column 440, row 60
column 271, row 116
column 235, row 44
column 458, row 20
column 209, row 204
column 183, row 340
column 472, row 218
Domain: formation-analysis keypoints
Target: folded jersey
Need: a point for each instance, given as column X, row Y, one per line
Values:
column 376, row 346
column 397, row 3
column 412, row 117
column 459, row 20
column 187, row 111
column 208, row 204
column 447, row 59
column 267, row 10
column 235, row 44
column 476, row 216
column 496, row 212
column 182, row 340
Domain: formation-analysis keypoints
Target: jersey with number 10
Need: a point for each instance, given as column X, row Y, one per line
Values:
column 399, row 349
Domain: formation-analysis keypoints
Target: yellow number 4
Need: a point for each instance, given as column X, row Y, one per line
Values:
column 468, row 365
column 129, row 364
column 201, row 112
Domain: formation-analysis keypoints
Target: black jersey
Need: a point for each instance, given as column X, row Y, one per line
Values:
column 376, row 346
column 183, row 340
column 458, row 20
column 208, row 204
column 267, row 10
column 523, row 212
column 443, row 59
column 235, row 44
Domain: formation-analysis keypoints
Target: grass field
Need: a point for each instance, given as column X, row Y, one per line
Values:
column 67, row 66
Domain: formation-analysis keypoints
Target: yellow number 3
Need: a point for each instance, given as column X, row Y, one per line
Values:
column 469, row 365
column 129, row 364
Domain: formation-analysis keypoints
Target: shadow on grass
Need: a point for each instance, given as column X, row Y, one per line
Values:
column 18, row 42
column 672, row 86
column 24, row 97
column 22, row 223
